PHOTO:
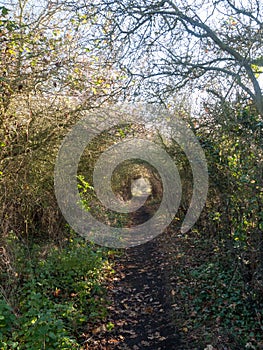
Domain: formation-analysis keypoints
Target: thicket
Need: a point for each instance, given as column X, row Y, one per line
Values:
column 231, row 136
column 51, row 283
column 222, row 283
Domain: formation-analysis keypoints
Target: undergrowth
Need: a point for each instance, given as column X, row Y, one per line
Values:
column 56, row 294
column 212, row 304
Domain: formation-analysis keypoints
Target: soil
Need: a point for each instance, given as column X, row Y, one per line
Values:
column 140, row 302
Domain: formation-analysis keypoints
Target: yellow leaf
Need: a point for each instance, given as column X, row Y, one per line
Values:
column 11, row 52
column 34, row 320
column 256, row 70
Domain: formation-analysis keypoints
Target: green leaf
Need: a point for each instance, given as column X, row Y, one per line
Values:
column 4, row 10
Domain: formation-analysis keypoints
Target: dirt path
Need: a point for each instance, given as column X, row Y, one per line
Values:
column 140, row 309
column 142, row 303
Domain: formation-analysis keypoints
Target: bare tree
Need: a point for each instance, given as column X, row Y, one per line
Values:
column 167, row 45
